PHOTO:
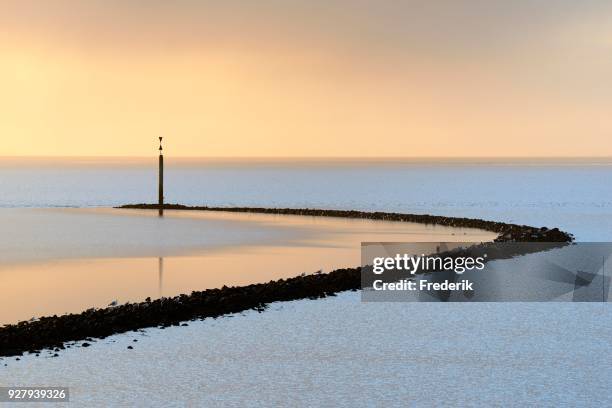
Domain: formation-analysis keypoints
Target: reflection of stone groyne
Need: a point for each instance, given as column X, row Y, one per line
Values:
column 55, row 331
column 507, row 232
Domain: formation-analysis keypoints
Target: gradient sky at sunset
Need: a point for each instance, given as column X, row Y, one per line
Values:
column 306, row 78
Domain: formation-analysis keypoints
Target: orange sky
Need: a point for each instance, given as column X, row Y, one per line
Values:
column 306, row 78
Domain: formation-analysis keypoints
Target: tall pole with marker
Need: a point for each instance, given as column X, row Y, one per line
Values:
column 161, row 179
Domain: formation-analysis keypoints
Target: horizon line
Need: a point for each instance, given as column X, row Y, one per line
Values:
column 600, row 157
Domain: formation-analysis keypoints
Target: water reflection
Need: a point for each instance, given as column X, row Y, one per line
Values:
column 72, row 285
column 160, row 272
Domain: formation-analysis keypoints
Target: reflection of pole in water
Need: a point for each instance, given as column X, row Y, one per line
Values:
column 160, row 268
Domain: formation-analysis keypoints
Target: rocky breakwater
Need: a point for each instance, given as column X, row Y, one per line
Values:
column 54, row 331
column 507, row 232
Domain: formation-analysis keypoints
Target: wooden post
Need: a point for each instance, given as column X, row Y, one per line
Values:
column 161, row 180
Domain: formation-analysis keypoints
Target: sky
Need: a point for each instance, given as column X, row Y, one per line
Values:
column 306, row 78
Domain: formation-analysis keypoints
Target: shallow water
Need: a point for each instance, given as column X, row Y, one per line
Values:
column 340, row 351
column 572, row 195
column 55, row 261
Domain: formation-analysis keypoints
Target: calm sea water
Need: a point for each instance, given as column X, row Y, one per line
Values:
column 575, row 196
column 481, row 354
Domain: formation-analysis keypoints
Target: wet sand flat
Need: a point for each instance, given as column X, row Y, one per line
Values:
column 55, row 261
column 298, row 353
